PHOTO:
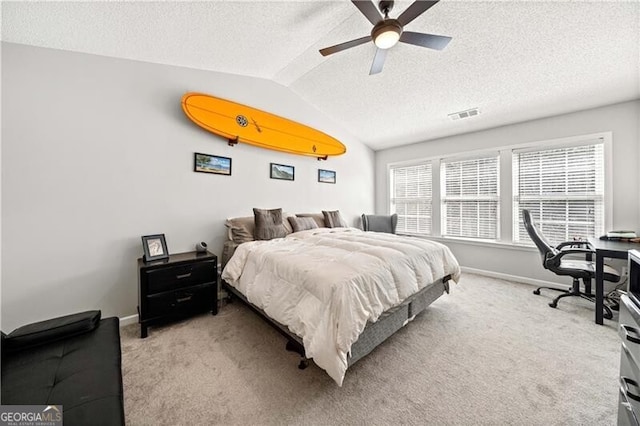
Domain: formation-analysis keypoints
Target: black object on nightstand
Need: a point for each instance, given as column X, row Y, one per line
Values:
column 177, row 287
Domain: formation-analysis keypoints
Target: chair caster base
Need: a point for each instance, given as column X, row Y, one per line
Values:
column 553, row 304
column 536, row 291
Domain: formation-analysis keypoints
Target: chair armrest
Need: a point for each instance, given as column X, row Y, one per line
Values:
column 51, row 330
column 555, row 260
column 572, row 243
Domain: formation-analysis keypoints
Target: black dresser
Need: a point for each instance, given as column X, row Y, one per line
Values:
column 177, row 287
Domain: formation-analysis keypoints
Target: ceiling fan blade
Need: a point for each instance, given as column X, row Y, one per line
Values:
column 368, row 10
column 416, row 9
column 431, row 41
column 344, row 46
column 378, row 61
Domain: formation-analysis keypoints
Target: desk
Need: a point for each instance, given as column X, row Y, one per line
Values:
column 610, row 249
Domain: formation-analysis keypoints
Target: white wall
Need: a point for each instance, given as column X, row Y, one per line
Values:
column 97, row 152
column 621, row 119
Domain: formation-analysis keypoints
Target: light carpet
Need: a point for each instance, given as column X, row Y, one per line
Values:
column 489, row 353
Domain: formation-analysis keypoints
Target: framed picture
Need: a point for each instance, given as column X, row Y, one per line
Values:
column 155, row 247
column 326, row 176
column 280, row 171
column 206, row 163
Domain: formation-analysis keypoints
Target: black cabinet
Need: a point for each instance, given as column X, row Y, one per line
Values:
column 629, row 331
column 182, row 285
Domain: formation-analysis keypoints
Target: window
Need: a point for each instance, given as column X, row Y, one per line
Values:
column 563, row 188
column 411, row 198
column 563, row 183
column 470, row 198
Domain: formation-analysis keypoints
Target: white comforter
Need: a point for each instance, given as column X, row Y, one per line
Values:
column 325, row 284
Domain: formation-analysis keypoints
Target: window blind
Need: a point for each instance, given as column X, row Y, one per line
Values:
column 471, row 198
column 411, row 198
column 564, row 190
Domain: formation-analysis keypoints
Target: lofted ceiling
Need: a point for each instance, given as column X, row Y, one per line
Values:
column 514, row 60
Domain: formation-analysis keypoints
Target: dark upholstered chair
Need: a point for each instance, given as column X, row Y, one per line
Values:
column 380, row 223
column 552, row 259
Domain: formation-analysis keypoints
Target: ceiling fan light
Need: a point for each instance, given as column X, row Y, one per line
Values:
column 387, row 39
column 386, row 33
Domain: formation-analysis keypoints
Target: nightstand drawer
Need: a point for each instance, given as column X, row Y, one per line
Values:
column 188, row 300
column 164, row 279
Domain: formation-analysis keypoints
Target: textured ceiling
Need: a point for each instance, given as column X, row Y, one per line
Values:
column 515, row 61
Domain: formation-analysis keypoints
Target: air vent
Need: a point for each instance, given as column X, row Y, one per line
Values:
column 464, row 114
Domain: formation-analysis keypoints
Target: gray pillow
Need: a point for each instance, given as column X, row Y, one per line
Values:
column 317, row 217
column 302, row 223
column 268, row 224
column 334, row 219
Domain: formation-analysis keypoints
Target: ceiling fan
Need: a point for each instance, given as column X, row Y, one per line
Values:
column 387, row 31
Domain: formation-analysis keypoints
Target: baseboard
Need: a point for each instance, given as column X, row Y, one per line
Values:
column 508, row 277
column 131, row 319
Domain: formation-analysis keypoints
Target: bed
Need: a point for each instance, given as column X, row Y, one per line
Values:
column 337, row 293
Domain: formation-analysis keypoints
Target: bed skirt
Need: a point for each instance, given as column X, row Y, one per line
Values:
column 374, row 333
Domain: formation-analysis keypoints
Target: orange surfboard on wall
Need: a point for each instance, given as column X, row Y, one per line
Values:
column 241, row 123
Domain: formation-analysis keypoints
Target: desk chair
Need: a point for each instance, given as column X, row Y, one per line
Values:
column 577, row 269
column 380, row 223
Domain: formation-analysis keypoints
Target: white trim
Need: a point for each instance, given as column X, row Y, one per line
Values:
column 508, row 277
column 505, row 215
column 131, row 319
column 470, row 156
column 553, row 144
column 608, row 180
column 506, row 245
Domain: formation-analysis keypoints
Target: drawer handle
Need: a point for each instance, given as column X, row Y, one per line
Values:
column 628, row 330
column 625, row 381
column 184, row 299
column 189, row 274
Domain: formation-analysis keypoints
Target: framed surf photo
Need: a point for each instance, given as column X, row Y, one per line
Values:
column 282, row 172
column 155, row 247
column 206, row 163
column 326, row 176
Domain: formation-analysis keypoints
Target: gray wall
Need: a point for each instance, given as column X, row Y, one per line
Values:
column 623, row 120
column 97, row 152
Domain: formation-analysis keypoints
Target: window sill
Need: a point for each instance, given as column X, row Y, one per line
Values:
column 481, row 243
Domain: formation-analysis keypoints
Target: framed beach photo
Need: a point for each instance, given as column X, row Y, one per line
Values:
column 155, row 247
column 326, row 176
column 281, row 171
column 206, row 163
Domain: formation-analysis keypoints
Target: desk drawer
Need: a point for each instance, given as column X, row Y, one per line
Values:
column 626, row 416
column 629, row 328
column 181, row 302
column 165, row 279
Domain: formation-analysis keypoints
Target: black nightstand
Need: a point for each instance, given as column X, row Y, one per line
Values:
column 177, row 287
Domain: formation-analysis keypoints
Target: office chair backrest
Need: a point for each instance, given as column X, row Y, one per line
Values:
column 544, row 246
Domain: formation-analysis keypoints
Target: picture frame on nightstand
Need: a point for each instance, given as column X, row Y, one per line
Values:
column 155, row 247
